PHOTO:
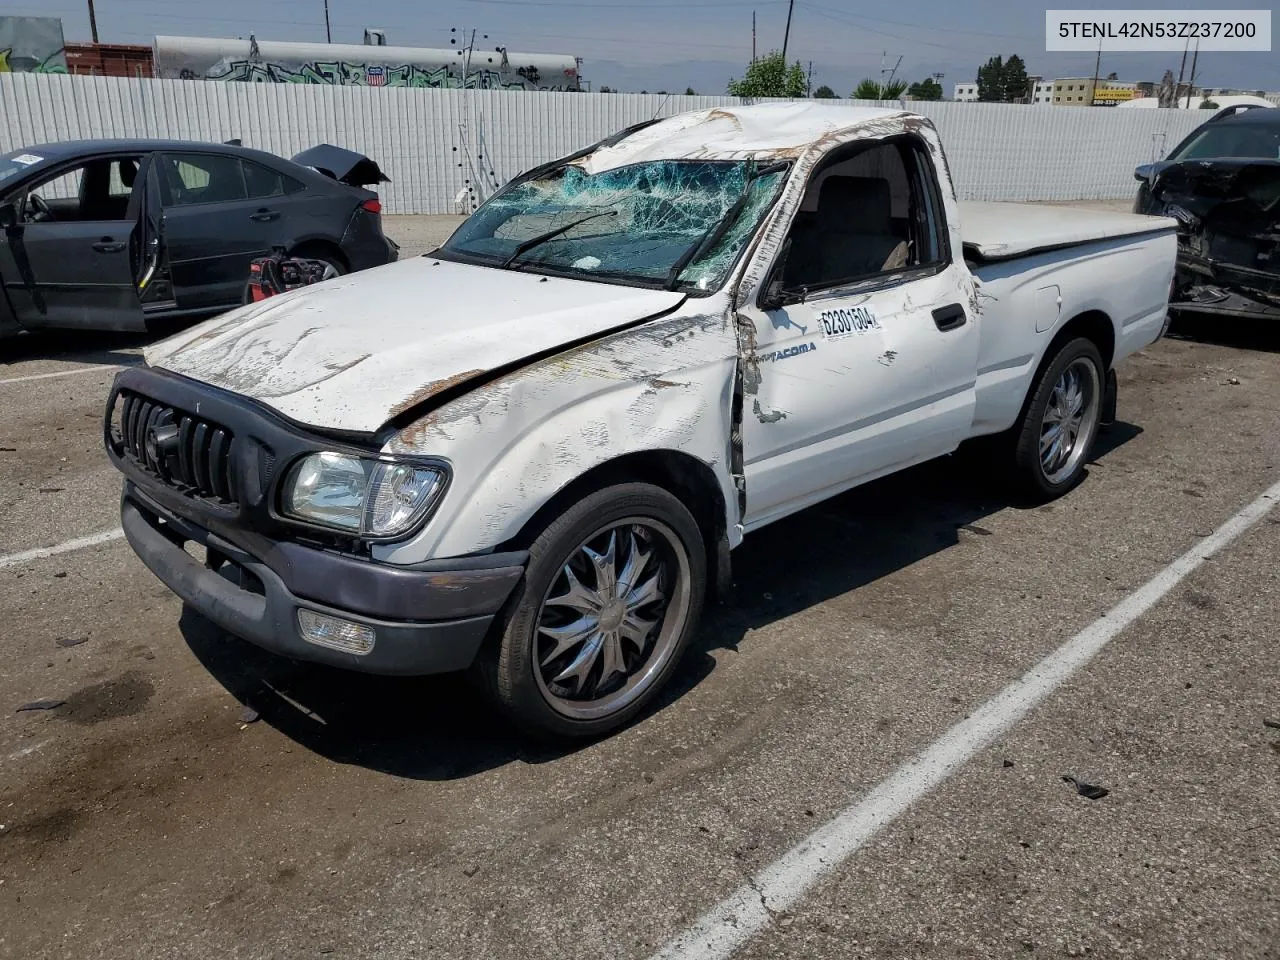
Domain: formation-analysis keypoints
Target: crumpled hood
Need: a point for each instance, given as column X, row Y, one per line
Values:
column 1202, row 185
column 353, row 352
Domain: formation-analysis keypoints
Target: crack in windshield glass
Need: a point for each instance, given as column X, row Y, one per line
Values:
column 658, row 209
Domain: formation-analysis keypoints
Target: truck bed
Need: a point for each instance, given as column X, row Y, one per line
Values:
column 1003, row 231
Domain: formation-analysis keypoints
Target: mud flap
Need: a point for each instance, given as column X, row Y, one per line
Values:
column 1109, row 398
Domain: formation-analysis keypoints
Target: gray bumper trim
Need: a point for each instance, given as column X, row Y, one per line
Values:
column 268, row 618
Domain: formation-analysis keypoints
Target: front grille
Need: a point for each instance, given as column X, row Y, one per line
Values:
column 184, row 451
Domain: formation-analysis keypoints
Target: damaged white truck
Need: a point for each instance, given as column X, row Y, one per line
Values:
column 532, row 450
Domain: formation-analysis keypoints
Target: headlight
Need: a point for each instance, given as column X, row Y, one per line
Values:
column 371, row 498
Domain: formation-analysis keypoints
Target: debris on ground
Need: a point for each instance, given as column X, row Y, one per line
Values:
column 60, row 575
column 71, row 641
column 1087, row 790
column 41, row 705
column 1006, row 763
column 249, row 715
column 1231, row 382
column 1273, row 724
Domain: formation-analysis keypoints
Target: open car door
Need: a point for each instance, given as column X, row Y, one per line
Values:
column 81, row 263
column 149, row 255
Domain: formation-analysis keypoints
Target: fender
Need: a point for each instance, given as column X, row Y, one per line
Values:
column 515, row 441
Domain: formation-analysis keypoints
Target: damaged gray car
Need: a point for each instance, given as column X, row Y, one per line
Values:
column 1222, row 185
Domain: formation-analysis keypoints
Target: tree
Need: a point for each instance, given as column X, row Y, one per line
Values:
column 824, row 93
column 1112, row 76
column 991, row 81
column 871, row 90
column 1208, row 105
column 769, row 76
column 690, row 92
column 1016, row 80
column 926, row 89
column 1003, row 81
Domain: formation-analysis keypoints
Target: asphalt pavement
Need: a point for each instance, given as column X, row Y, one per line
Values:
column 183, row 794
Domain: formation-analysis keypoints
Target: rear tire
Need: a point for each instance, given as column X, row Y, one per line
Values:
column 613, row 592
column 1060, row 421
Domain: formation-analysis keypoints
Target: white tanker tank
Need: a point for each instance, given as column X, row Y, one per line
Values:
column 360, row 64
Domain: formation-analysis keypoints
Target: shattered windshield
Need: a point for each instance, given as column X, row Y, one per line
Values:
column 631, row 224
column 1243, row 141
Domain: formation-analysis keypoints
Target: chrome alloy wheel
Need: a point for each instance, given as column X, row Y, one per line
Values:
column 1070, row 419
column 612, row 618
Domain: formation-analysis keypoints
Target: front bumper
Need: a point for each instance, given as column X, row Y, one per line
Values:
column 428, row 619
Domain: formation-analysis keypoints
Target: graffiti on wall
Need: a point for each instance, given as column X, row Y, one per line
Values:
column 31, row 45
column 347, row 73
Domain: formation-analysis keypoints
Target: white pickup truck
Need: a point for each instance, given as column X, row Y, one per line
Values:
column 532, row 450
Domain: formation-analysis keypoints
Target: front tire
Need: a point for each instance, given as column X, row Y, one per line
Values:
column 1060, row 423
column 612, row 595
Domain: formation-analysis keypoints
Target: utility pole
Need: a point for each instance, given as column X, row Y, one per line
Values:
column 328, row 34
column 753, row 36
column 1191, row 84
column 787, row 35
column 1177, row 88
column 1097, row 65
column 808, row 81
column 93, row 23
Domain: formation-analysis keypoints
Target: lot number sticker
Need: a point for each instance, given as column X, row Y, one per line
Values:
column 26, row 159
column 845, row 322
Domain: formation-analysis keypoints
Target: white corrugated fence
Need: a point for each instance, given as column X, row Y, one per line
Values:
column 437, row 145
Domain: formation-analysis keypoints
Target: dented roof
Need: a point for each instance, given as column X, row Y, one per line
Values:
column 763, row 131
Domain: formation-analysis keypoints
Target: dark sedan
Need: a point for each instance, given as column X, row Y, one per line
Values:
column 123, row 234
column 1222, row 185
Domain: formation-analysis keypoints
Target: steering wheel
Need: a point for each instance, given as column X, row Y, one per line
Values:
column 40, row 211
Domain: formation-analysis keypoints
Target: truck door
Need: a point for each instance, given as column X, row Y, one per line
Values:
column 866, row 345
column 67, row 259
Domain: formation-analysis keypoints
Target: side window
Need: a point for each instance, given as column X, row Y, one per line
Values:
column 204, row 178
column 121, row 175
column 262, row 182
column 65, row 187
column 873, row 212
column 97, row 190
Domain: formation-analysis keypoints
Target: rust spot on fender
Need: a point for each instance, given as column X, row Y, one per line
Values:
column 431, row 389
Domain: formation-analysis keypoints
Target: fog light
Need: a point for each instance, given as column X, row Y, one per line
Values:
column 335, row 633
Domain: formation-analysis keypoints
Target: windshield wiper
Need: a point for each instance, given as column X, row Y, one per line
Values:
column 542, row 238
column 715, row 233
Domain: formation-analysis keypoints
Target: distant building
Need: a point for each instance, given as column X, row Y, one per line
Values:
column 1039, row 93
column 110, row 60
column 1086, row 92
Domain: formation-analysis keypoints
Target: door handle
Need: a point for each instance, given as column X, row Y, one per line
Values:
column 950, row 317
column 263, row 215
column 107, row 245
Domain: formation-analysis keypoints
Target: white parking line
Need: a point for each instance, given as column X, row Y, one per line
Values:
column 745, row 913
column 39, row 553
column 96, row 368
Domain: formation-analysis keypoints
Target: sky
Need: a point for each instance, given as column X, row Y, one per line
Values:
column 670, row 45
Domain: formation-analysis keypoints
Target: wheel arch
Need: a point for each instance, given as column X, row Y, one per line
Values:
column 323, row 246
column 690, row 480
